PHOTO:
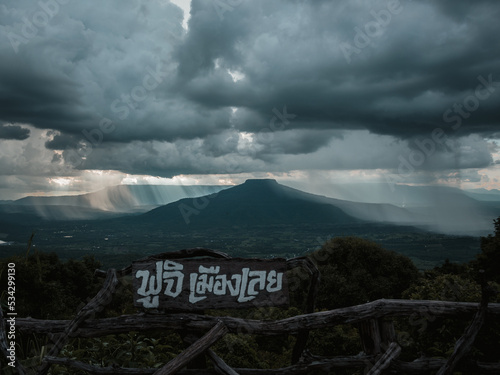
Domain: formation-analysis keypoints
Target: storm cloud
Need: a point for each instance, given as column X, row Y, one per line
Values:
column 256, row 86
column 8, row 131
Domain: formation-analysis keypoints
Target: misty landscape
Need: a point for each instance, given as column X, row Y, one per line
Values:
column 164, row 164
column 259, row 218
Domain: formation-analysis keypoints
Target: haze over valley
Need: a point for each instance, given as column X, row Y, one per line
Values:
column 257, row 218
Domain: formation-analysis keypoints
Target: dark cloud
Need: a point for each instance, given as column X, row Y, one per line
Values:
column 13, row 132
column 461, row 10
column 32, row 95
column 293, row 142
column 63, row 142
column 401, row 84
column 257, row 86
column 88, row 64
column 289, row 53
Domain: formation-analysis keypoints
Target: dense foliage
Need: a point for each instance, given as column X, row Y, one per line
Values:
column 433, row 336
column 353, row 271
column 47, row 288
column 489, row 258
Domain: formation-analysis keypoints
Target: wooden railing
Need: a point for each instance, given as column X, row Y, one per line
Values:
column 374, row 320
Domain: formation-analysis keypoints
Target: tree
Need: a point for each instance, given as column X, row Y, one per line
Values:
column 489, row 258
column 50, row 289
column 436, row 336
column 355, row 271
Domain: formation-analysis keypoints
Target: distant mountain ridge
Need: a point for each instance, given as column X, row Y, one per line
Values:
column 124, row 198
column 484, row 195
column 105, row 203
column 445, row 210
column 268, row 202
column 253, row 219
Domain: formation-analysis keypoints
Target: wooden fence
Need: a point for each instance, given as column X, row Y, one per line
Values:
column 381, row 349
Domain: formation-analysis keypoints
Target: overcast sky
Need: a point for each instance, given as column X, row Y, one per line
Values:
column 217, row 91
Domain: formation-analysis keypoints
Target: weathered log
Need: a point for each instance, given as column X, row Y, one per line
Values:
column 384, row 362
column 320, row 363
column 116, row 370
column 102, row 298
column 326, row 365
column 188, row 339
column 369, row 331
column 176, row 364
column 314, row 276
column 303, row 368
column 97, row 370
column 434, row 364
column 221, row 367
column 376, row 335
column 144, row 322
column 418, row 365
column 387, row 332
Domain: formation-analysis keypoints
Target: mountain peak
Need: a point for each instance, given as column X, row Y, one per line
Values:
column 261, row 181
column 256, row 202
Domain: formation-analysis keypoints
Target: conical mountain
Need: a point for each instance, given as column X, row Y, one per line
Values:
column 253, row 203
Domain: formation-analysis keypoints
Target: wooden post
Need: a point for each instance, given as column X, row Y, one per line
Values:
column 392, row 352
column 303, row 335
column 198, row 362
column 369, row 331
column 102, row 298
column 464, row 344
column 189, row 337
column 176, row 364
column 220, row 366
column 387, row 332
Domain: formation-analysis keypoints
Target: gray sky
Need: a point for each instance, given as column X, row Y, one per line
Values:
column 127, row 91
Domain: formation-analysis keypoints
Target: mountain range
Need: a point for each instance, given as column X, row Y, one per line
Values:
column 253, row 203
column 264, row 202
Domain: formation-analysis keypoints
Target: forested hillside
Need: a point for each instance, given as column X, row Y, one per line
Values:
column 353, row 271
